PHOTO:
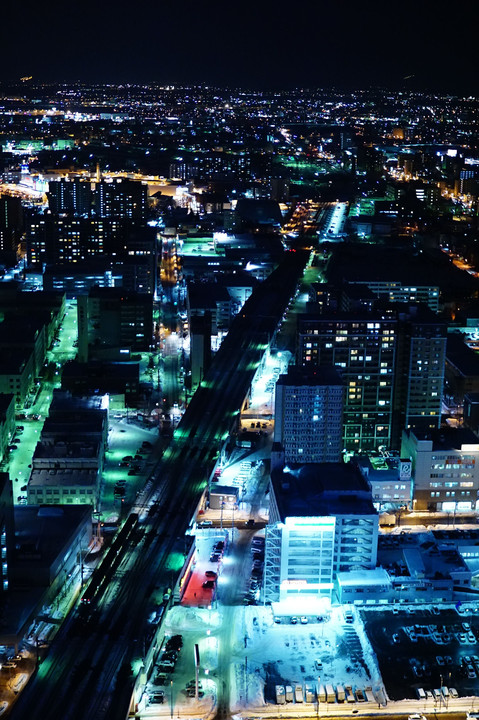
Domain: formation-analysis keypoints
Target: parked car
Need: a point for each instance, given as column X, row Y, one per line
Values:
column 176, row 642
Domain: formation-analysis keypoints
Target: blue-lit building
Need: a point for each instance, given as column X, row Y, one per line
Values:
column 309, row 414
column 322, row 521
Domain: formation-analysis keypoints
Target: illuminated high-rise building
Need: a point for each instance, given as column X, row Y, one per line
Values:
column 120, row 198
column 392, row 364
column 70, row 196
column 11, row 223
column 308, row 415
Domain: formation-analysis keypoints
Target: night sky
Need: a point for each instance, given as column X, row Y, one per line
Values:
column 250, row 44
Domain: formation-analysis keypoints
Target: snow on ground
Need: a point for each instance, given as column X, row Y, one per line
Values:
column 264, row 653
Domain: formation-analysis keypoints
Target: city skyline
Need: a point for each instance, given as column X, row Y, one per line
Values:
column 239, row 395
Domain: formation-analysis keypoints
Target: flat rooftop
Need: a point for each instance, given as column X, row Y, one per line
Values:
column 82, row 477
column 321, row 489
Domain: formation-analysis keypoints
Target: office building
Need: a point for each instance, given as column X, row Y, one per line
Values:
column 113, row 323
column 322, row 522
column 7, row 539
column 445, row 468
column 17, row 372
column 68, row 459
column 120, row 198
column 70, row 196
column 7, row 422
column 390, row 479
column 11, row 223
column 392, row 365
column 309, row 414
column 58, row 239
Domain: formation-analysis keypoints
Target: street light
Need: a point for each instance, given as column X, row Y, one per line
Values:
column 233, row 524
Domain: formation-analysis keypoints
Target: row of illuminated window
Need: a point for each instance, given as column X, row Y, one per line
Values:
column 56, row 491
column 451, row 493
column 454, row 466
column 451, row 484
column 390, row 487
column 388, row 496
column 452, row 475
column 455, row 458
column 310, row 576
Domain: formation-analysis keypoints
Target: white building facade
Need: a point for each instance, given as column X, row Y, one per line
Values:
column 304, row 551
column 445, row 467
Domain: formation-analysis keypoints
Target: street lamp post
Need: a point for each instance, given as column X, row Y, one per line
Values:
column 233, row 524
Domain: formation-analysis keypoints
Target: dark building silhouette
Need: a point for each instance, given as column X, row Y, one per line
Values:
column 112, row 323
column 11, row 223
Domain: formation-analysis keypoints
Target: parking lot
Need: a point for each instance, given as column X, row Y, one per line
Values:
column 425, row 648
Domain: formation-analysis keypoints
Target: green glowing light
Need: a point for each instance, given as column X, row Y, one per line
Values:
column 175, row 561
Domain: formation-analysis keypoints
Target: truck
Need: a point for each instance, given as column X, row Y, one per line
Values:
column 368, row 691
column 280, row 695
column 340, row 693
column 289, row 693
column 330, row 694
column 321, row 693
column 309, row 694
column 421, row 695
column 387, row 520
column 298, row 693
column 349, row 694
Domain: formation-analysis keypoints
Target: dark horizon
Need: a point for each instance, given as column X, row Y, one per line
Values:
column 412, row 47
